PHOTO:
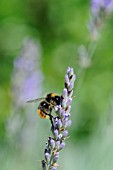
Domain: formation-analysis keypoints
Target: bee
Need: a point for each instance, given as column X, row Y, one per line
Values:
column 47, row 104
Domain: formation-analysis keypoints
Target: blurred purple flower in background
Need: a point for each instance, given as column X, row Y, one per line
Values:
column 27, row 80
column 98, row 6
column 27, row 77
column 100, row 9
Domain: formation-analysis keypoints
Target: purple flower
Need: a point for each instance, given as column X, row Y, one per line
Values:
column 47, row 157
column 56, row 156
column 100, row 9
column 53, row 168
column 52, row 143
column 65, row 133
column 101, row 5
column 26, row 79
column 62, row 145
column 55, row 133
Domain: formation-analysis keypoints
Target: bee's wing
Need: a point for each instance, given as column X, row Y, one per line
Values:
column 35, row 100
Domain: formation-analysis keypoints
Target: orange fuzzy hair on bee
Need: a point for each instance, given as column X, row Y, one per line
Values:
column 42, row 114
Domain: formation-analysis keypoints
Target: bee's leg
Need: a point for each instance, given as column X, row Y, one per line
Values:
column 50, row 117
column 51, row 120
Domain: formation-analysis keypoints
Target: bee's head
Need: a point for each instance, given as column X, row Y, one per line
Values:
column 53, row 99
column 44, row 106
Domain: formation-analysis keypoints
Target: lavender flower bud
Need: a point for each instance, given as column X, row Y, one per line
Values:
column 71, row 73
column 57, row 145
column 73, row 79
column 64, row 103
column 67, row 79
column 68, row 70
column 69, row 101
column 55, row 133
column 56, row 156
column 53, row 168
column 68, row 123
column 52, row 143
column 56, row 121
column 49, row 139
column 65, row 133
column 47, row 149
column 62, row 145
column 67, row 116
column 47, row 157
column 65, row 93
column 70, row 86
column 59, row 124
column 57, row 110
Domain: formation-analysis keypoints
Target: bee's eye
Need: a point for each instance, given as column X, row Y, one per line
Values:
column 57, row 100
column 44, row 104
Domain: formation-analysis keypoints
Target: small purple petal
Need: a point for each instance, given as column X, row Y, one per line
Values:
column 56, row 120
column 71, row 86
column 65, row 133
column 67, row 115
column 56, row 156
column 71, row 93
column 62, row 145
column 56, row 133
column 52, row 143
column 98, row 5
column 66, row 123
column 47, row 157
column 64, row 103
column 53, row 168
column 71, row 72
column 59, row 123
column 67, row 79
column 68, row 70
column 57, row 145
column 69, row 101
column 73, row 78
column 65, row 93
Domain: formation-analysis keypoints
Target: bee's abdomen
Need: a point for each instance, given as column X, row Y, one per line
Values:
column 42, row 114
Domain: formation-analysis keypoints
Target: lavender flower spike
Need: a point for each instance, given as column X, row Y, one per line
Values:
column 100, row 10
column 61, row 122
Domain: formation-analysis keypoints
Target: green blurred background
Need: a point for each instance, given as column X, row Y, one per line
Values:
column 61, row 28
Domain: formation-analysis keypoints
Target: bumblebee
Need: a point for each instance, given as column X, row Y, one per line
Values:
column 47, row 104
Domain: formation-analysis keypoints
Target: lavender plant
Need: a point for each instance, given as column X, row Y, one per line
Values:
column 100, row 10
column 61, row 122
column 27, row 80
